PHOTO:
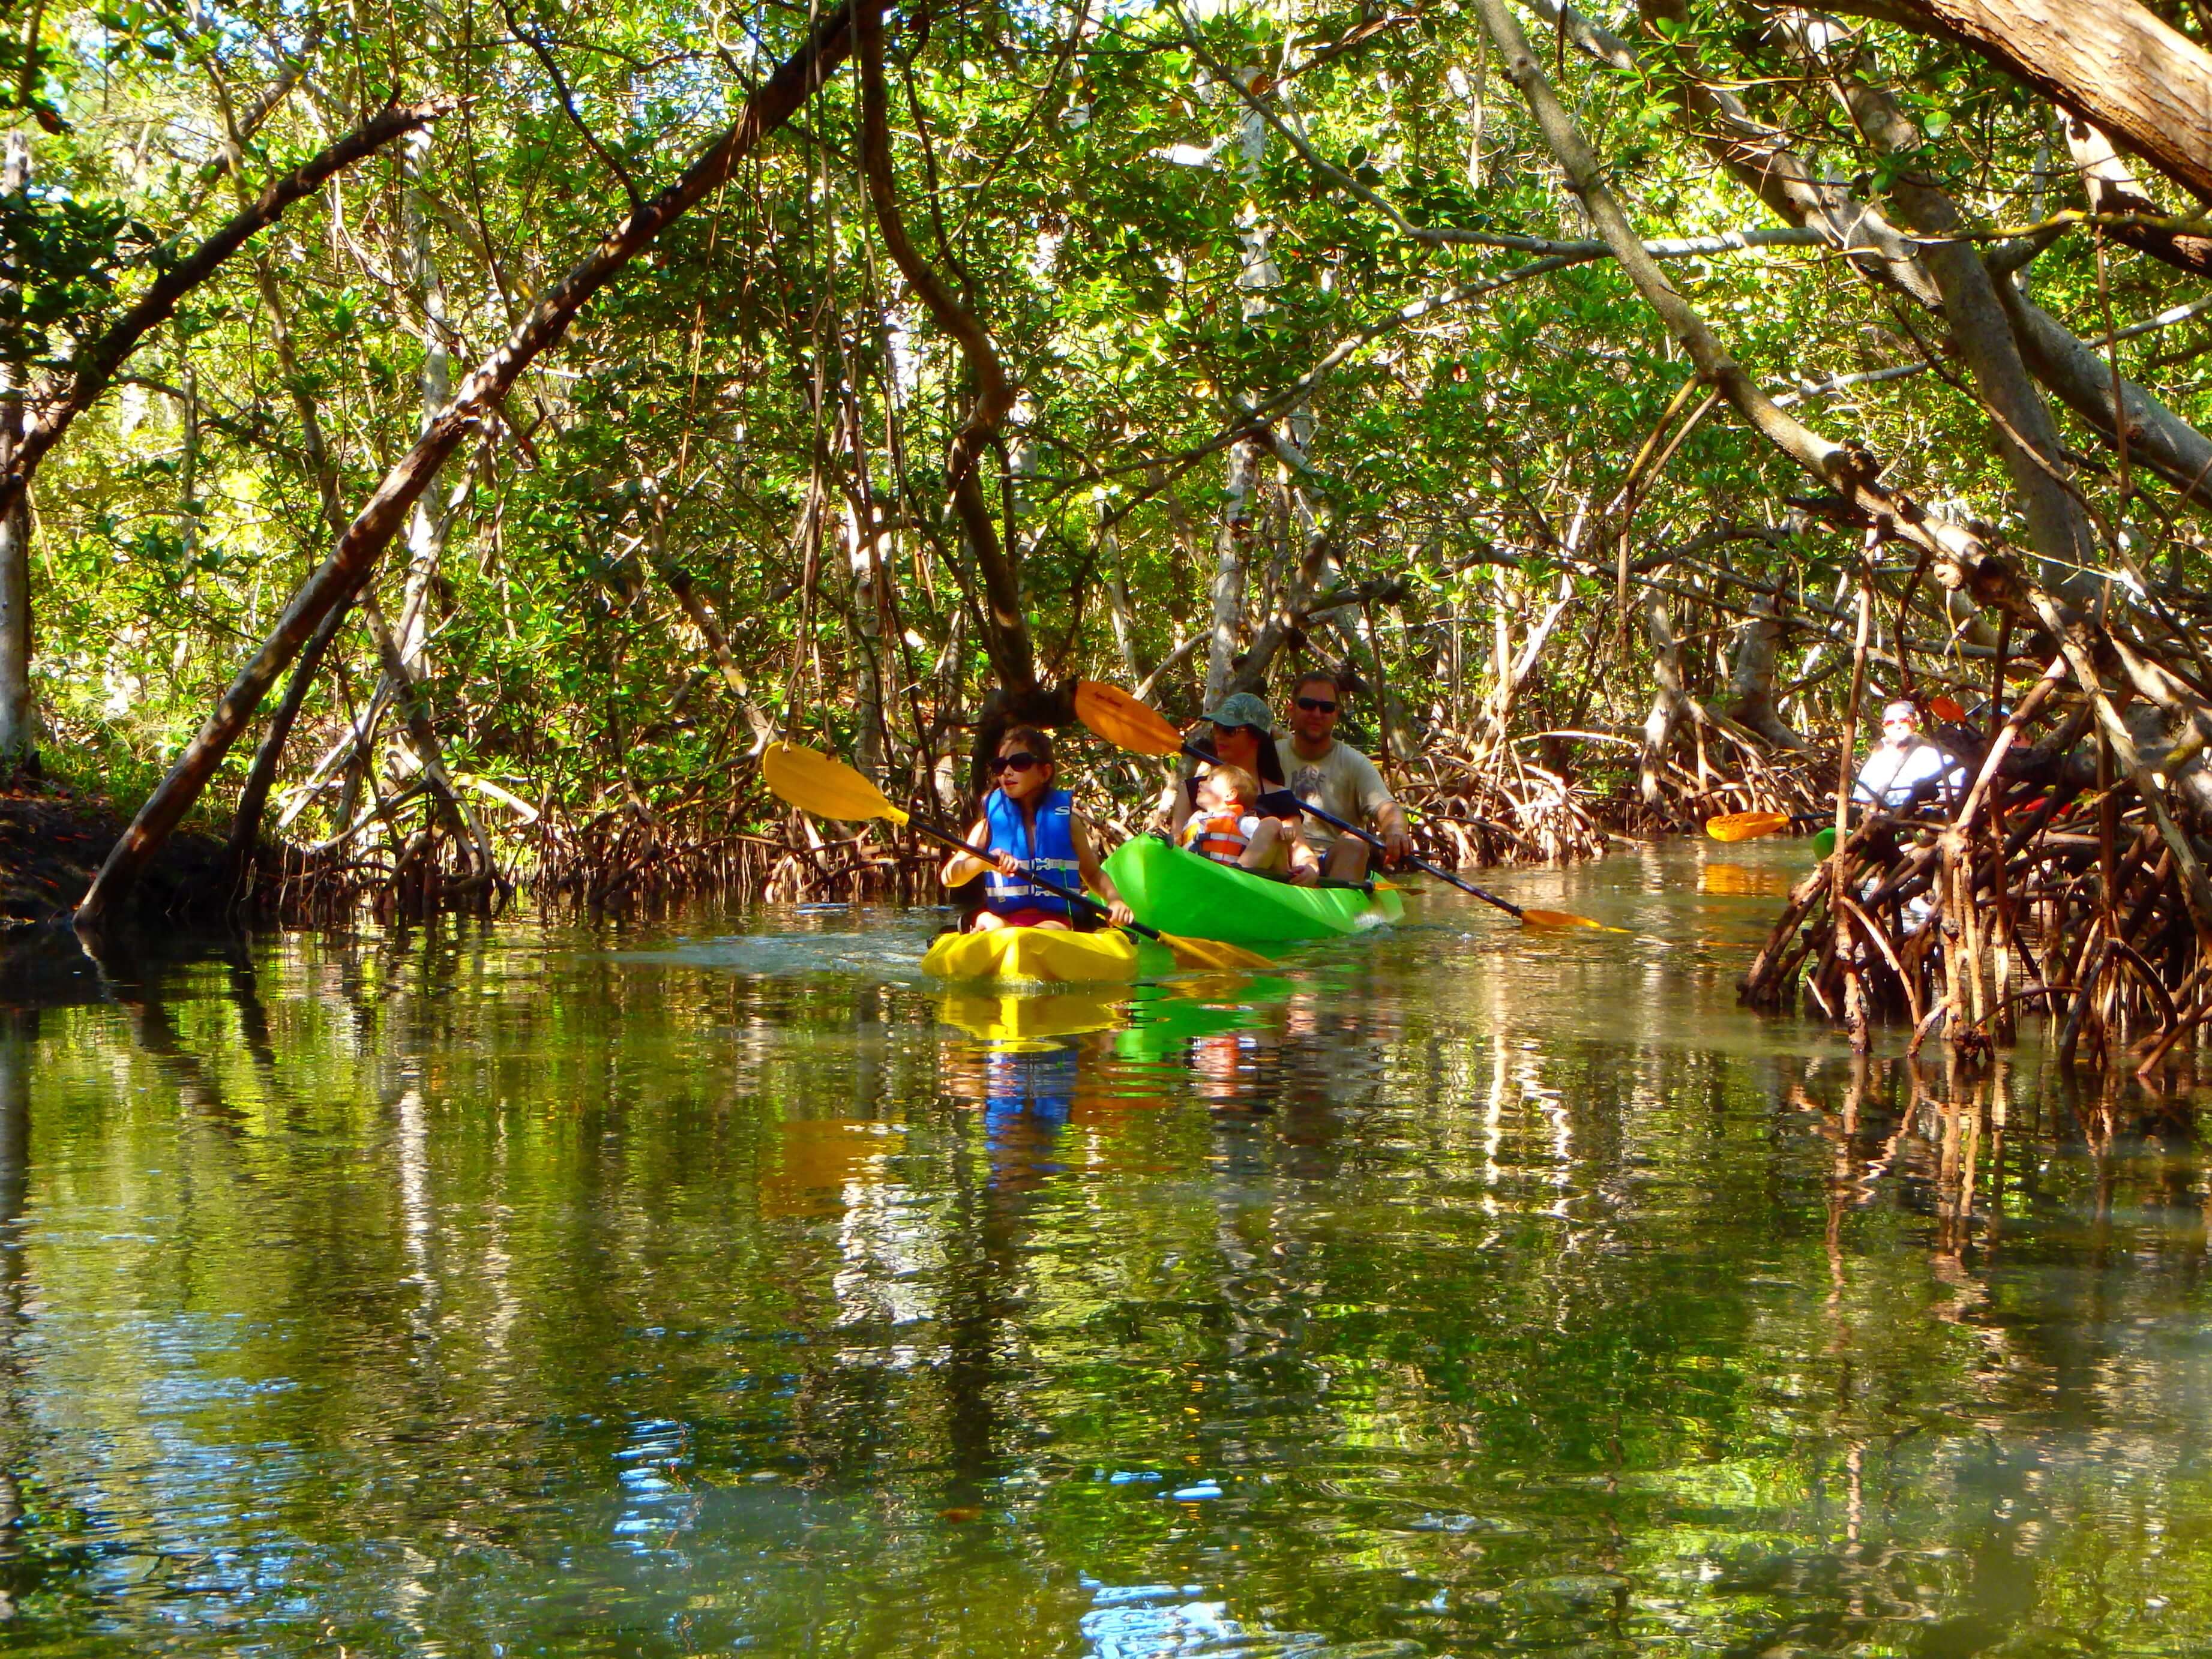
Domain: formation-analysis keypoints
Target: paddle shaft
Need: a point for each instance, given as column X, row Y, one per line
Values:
column 1422, row 865
column 945, row 838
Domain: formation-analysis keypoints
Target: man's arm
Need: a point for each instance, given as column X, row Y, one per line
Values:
column 1377, row 802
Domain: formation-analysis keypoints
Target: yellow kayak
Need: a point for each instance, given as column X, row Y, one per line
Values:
column 1045, row 954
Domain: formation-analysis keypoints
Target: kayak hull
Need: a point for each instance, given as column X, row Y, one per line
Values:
column 1177, row 891
column 1044, row 956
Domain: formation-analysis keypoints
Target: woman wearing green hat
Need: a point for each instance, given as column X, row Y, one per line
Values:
column 1242, row 734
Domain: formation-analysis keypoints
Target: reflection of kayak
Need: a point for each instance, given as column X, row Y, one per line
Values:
column 999, row 1019
column 1047, row 954
column 1177, row 891
column 1161, row 1023
column 1745, row 880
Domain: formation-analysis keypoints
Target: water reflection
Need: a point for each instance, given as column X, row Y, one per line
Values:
column 1454, row 1290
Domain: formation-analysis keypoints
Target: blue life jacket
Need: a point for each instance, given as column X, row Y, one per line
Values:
column 1052, row 856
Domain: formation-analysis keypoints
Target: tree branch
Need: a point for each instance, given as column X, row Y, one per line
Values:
column 95, row 364
column 1007, row 638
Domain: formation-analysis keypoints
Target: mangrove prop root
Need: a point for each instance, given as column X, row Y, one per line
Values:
column 1962, row 927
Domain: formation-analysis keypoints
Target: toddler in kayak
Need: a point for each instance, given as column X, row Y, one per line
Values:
column 1028, row 824
column 1227, row 828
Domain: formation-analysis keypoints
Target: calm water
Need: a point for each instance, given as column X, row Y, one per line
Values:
column 720, row 1285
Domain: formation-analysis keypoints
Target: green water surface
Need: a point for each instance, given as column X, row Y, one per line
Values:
column 720, row 1285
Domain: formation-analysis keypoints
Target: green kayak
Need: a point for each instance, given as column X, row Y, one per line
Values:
column 1179, row 892
column 1824, row 842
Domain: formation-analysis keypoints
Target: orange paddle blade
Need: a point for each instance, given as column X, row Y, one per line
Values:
column 1215, row 954
column 1123, row 721
column 1945, row 707
column 1746, row 826
column 814, row 782
column 1536, row 918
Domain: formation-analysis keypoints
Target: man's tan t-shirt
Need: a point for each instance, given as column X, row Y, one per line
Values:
column 1343, row 782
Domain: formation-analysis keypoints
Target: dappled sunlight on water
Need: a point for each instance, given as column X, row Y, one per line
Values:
column 724, row 1284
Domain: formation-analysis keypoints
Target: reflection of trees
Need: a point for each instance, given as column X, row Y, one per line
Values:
column 18, row 1031
column 481, row 1247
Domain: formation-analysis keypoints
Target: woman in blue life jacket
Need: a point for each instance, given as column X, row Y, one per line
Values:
column 1028, row 824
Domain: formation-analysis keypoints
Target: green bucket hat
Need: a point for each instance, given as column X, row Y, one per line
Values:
column 1242, row 708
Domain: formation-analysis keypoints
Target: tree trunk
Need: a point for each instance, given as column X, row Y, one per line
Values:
column 2025, row 434
column 19, row 719
column 1751, row 682
column 1669, row 703
column 1006, row 629
column 1232, row 561
column 1124, row 614
column 2159, row 440
column 426, row 525
column 261, row 777
column 793, row 83
column 1293, row 605
column 2111, row 187
column 873, row 745
column 2109, row 61
column 423, row 738
column 1761, row 156
column 1961, row 559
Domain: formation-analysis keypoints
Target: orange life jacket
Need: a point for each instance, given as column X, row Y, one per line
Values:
column 1220, row 837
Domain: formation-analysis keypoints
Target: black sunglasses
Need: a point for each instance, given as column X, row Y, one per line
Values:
column 1254, row 730
column 1318, row 705
column 1020, row 760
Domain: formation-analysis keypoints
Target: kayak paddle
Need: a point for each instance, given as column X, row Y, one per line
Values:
column 1520, row 912
column 813, row 783
column 1124, row 721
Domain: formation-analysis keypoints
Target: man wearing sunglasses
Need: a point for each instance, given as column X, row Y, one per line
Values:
column 1904, row 768
column 1339, row 780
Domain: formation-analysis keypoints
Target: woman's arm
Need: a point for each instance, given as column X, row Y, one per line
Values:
column 964, row 867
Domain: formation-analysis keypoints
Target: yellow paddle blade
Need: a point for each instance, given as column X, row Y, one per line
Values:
column 1563, row 918
column 1123, row 721
column 813, row 783
column 1214, row 953
column 1746, row 826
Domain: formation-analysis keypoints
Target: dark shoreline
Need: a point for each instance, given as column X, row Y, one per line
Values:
column 53, row 840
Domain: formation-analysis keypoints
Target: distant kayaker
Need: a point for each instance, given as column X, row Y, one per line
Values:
column 1904, row 768
column 1228, row 829
column 1027, row 823
column 1339, row 780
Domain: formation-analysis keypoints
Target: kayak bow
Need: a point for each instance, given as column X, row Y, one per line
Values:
column 1049, row 956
